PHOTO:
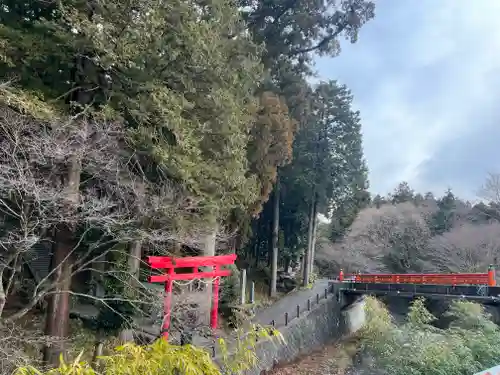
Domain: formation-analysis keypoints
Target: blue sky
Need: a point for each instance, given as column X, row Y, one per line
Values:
column 425, row 75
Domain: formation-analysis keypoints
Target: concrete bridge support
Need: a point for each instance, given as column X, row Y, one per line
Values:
column 353, row 316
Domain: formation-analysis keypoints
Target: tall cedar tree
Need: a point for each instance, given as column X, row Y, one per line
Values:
column 271, row 142
column 292, row 32
column 328, row 172
column 168, row 68
column 336, row 164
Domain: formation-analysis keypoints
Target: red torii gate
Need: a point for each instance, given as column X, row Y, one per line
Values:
column 170, row 264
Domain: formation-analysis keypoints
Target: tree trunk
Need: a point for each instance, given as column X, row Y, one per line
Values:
column 3, row 297
column 288, row 261
column 210, row 242
column 6, row 290
column 313, row 243
column 307, row 256
column 176, row 249
column 57, row 319
column 99, row 346
column 209, row 248
column 134, row 259
column 256, row 250
column 98, row 349
column 276, row 224
column 270, row 246
column 98, row 270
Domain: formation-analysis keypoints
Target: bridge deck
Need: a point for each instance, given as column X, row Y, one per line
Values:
column 480, row 293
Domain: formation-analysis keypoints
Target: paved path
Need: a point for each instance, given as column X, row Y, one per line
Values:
column 289, row 304
column 277, row 310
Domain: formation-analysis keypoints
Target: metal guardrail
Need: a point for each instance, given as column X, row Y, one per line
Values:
column 305, row 307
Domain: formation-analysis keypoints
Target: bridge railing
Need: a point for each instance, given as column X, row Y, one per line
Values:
column 487, row 278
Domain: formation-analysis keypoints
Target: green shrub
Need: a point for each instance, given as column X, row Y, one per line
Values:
column 469, row 345
column 159, row 358
column 162, row 358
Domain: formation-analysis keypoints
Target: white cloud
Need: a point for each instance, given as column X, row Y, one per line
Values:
column 419, row 73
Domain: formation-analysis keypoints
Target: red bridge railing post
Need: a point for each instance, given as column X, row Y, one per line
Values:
column 491, row 276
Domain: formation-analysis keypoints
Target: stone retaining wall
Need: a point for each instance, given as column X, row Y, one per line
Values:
column 302, row 336
column 309, row 332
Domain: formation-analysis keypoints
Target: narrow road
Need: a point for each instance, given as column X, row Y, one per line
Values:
column 289, row 304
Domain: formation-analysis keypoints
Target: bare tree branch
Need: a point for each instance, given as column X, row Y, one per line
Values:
column 468, row 248
column 114, row 202
column 491, row 188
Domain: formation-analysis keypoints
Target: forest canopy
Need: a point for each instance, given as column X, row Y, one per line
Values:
column 135, row 128
column 407, row 232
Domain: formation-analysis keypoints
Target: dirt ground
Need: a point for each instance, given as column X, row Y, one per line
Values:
column 331, row 360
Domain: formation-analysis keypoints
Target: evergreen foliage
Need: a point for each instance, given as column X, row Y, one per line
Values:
column 417, row 347
column 201, row 111
column 443, row 219
column 327, row 162
column 169, row 70
column 271, row 142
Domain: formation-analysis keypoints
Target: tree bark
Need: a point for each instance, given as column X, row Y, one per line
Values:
column 209, row 248
column 307, row 256
column 276, row 224
column 210, row 242
column 98, row 270
column 256, row 251
column 3, row 297
column 98, row 349
column 57, row 319
column 269, row 243
column 313, row 243
column 135, row 251
column 288, row 261
column 134, row 259
column 4, row 291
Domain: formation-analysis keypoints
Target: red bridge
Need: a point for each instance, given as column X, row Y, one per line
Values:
column 472, row 286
